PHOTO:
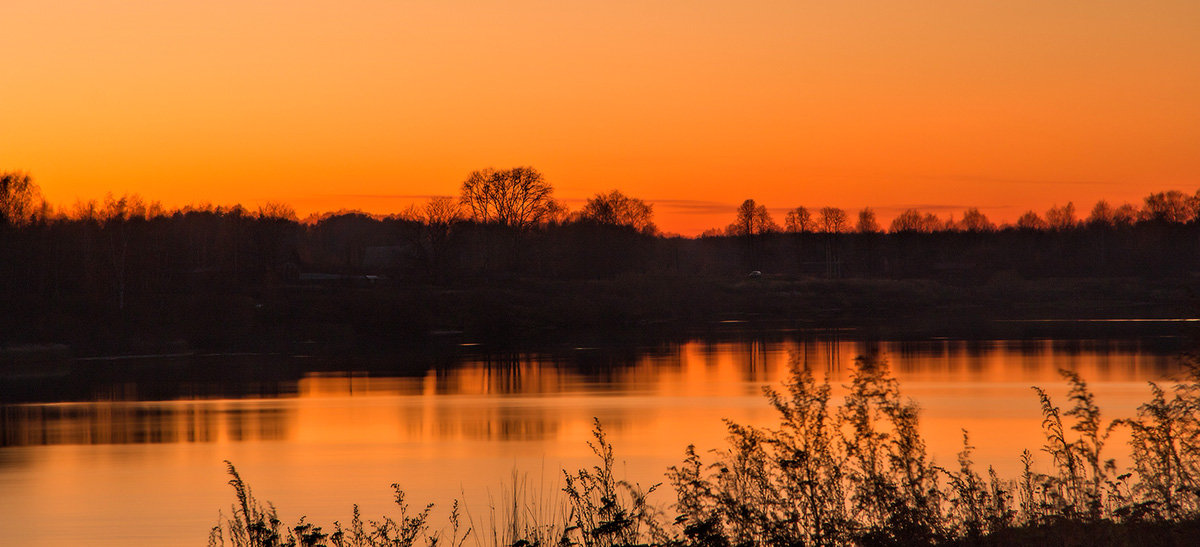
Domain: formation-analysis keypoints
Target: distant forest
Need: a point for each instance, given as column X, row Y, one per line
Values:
column 124, row 263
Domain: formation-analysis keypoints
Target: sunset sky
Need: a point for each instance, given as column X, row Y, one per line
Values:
column 691, row 105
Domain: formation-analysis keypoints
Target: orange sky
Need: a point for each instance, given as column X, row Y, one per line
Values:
column 693, row 105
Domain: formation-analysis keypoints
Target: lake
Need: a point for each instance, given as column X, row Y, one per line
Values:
column 132, row 452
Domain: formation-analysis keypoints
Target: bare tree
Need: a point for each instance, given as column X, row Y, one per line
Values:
column 558, row 212
column 832, row 220
column 1031, row 221
column 912, row 220
column 907, row 221
column 18, row 195
column 1061, row 218
column 1173, row 206
column 1125, row 215
column 975, row 221
column 274, row 210
column 752, row 219
column 617, row 209
column 1102, row 214
column 438, row 219
column 519, row 197
column 799, row 220
column 866, row 221
column 933, row 223
column 442, row 211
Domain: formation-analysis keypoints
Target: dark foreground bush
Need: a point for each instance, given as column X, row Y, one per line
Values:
column 854, row 473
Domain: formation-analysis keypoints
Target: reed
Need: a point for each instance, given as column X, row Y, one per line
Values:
column 853, row 472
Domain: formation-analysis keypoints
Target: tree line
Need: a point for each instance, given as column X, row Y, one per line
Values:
column 1170, row 207
column 127, row 263
column 508, row 222
column 518, row 197
column 521, row 198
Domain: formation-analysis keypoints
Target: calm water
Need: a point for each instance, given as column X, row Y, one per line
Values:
column 134, row 470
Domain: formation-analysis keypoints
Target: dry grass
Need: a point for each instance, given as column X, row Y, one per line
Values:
column 850, row 473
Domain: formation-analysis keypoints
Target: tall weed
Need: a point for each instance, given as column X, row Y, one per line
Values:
column 849, row 473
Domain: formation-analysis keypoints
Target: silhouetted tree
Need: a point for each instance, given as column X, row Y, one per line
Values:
column 833, row 220
column 131, row 206
column 866, row 222
column 752, row 219
column 934, row 223
column 18, row 196
column 274, row 210
column 913, row 221
column 975, row 221
column 438, row 220
column 1061, row 218
column 799, row 220
column 1125, row 215
column 442, row 211
column 115, row 216
column 519, row 197
column 617, row 209
column 1031, row 221
column 1173, row 206
column 907, row 221
column 1102, row 214
column 557, row 212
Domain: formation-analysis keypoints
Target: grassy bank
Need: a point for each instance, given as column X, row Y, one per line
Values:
column 849, row 472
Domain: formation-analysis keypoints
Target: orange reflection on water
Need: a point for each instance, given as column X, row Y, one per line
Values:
column 340, row 438
column 662, row 402
column 144, row 423
column 537, row 397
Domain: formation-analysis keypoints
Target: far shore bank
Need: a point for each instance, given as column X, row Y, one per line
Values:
column 332, row 320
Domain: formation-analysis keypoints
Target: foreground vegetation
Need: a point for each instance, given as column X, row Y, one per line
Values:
column 854, row 473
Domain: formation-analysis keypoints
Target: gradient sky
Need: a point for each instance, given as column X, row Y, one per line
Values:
column 692, row 105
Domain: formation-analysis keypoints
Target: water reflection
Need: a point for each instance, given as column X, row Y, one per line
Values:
column 143, row 423
column 531, row 397
column 317, row 439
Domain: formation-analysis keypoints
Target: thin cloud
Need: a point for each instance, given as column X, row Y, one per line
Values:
column 933, row 207
column 412, row 197
column 693, row 206
column 379, row 196
column 1000, row 180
